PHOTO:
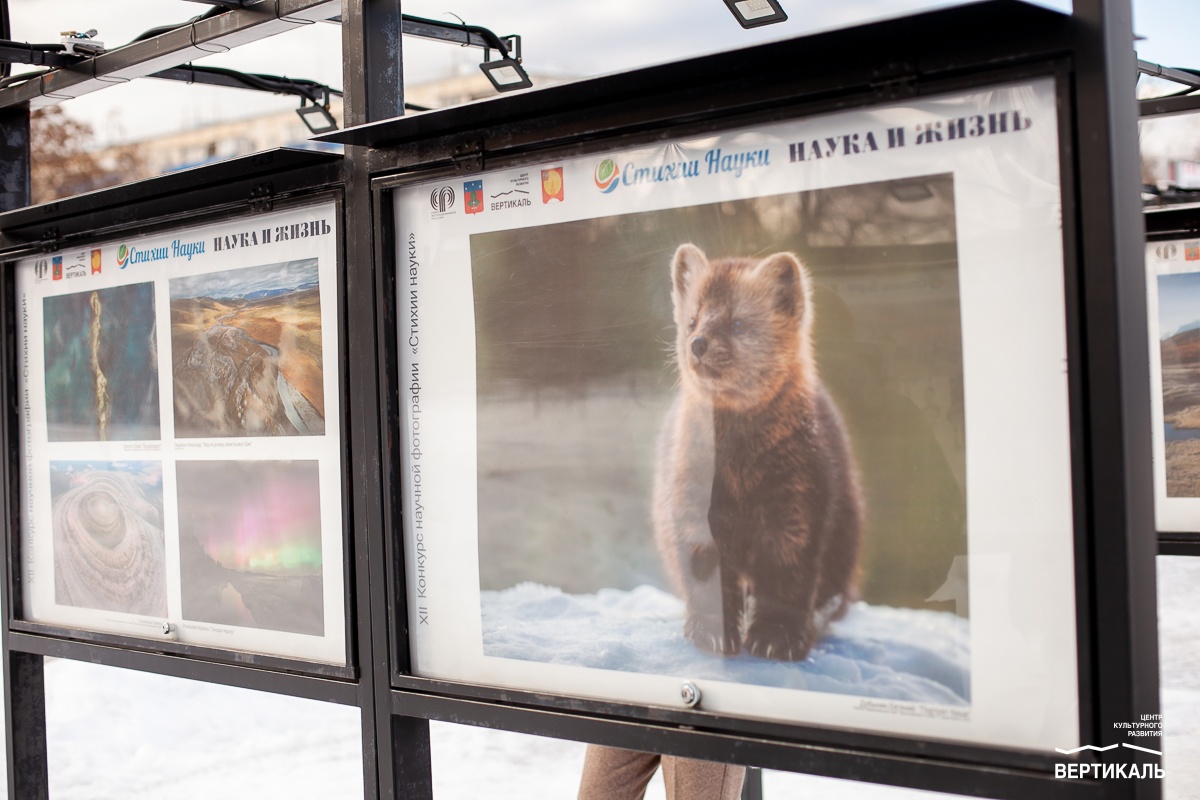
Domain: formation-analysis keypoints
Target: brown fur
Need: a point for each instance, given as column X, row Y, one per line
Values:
column 757, row 510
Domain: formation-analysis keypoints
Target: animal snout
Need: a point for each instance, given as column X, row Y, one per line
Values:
column 699, row 346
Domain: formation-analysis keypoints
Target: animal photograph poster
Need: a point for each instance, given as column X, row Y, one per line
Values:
column 179, row 480
column 747, row 409
column 1173, row 295
column 622, row 388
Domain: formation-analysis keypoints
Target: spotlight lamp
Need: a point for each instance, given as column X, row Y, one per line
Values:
column 753, row 13
column 506, row 72
column 316, row 117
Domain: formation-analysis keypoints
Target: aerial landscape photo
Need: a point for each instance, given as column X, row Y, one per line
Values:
column 246, row 352
column 101, row 365
column 254, row 559
column 1179, row 347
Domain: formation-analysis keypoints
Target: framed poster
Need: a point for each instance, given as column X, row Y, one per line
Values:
column 181, row 441
column 1173, row 296
column 778, row 410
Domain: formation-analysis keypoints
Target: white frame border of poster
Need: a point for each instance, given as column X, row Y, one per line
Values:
column 307, row 231
column 1024, row 661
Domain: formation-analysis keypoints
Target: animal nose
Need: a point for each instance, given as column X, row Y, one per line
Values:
column 699, row 346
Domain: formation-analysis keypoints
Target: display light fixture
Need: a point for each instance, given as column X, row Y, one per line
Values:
column 506, row 74
column 753, row 13
column 316, row 117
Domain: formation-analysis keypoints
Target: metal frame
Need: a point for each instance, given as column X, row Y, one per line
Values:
column 132, row 55
column 227, row 191
column 705, row 94
column 1180, row 102
column 1090, row 53
column 399, row 761
column 217, row 34
column 1169, row 106
column 1162, row 224
column 796, row 106
column 244, row 204
column 1180, row 76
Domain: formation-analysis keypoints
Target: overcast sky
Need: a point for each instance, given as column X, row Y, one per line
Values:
column 569, row 38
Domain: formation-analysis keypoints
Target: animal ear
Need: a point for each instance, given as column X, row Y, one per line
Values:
column 788, row 281
column 689, row 263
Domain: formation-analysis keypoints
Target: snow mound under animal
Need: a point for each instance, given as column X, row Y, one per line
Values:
column 874, row 651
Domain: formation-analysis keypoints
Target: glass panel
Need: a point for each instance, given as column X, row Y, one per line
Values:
column 741, row 420
column 180, row 479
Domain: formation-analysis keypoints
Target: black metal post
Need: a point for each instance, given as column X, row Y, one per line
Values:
column 14, row 158
column 396, row 755
column 371, row 51
column 1123, row 542
column 752, row 789
column 25, row 718
column 411, row 756
column 24, row 679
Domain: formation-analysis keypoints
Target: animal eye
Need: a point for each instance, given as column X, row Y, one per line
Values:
column 738, row 326
column 692, row 324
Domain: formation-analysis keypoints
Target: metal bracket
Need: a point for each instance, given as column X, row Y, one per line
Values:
column 262, row 197
column 468, row 156
column 1182, row 76
column 894, row 81
column 292, row 20
column 50, row 239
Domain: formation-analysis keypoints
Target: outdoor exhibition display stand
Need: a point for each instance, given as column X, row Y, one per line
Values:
column 771, row 407
column 1172, row 253
column 176, row 375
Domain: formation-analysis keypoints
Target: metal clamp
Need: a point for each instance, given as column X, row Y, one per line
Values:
column 105, row 78
column 262, row 197
column 50, row 240
column 468, row 157
column 895, row 81
column 292, row 20
column 195, row 44
column 42, row 88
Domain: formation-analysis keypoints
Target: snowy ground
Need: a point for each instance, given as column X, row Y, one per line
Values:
column 874, row 651
column 119, row 734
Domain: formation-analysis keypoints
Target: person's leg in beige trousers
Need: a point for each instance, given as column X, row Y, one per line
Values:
column 613, row 774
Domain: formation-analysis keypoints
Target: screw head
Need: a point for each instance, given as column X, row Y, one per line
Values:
column 690, row 694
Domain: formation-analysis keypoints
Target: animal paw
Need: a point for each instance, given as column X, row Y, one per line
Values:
column 708, row 633
column 779, row 641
